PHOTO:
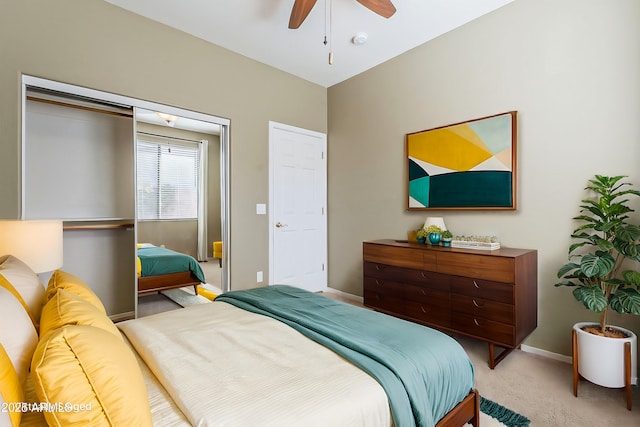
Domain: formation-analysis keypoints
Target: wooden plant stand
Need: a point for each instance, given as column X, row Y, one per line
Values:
column 627, row 368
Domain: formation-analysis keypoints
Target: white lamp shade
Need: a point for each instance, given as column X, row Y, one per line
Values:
column 36, row 243
column 435, row 220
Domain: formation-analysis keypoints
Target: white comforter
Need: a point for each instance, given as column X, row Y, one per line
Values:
column 224, row 366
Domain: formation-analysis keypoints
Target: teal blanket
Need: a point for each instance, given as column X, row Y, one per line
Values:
column 156, row 260
column 425, row 373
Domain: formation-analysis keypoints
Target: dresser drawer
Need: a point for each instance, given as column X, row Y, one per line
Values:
column 421, row 312
column 407, row 292
column 482, row 266
column 424, row 278
column 485, row 289
column 390, row 255
column 497, row 332
column 485, row 309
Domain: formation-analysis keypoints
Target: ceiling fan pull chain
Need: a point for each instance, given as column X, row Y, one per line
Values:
column 330, row 31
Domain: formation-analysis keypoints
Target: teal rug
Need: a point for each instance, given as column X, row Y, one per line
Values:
column 503, row 415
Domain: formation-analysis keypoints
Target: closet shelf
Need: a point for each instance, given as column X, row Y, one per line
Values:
column 93, row 225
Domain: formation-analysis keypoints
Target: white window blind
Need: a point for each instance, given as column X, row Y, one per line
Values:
column 167, row 181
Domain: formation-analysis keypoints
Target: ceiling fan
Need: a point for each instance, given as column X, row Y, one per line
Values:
column 301, row 9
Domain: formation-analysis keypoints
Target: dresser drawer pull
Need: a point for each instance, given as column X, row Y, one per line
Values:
column 379, row 283
column 476, row 285
column 379, row 267
column 424, row 310
column 478, row 305
column 476, row 322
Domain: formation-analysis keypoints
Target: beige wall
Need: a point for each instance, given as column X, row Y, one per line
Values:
column 570, row 68
column 94, row 44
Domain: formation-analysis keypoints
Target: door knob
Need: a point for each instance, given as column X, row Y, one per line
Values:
column 280, row 225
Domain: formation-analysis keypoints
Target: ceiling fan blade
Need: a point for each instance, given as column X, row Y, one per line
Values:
column 301, row 9
column 383, row 8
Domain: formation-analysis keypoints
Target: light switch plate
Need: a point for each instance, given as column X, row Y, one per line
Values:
column 261, row 209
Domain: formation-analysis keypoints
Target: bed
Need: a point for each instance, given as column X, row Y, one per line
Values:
column 273, row 356
column 161, row 269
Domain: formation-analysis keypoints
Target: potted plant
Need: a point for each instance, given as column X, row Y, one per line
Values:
column 603, row 241
column 421, row 235
column 434, row 233
column 447, row 236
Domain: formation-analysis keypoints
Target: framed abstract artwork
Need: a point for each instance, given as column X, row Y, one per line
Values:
column 467, row 165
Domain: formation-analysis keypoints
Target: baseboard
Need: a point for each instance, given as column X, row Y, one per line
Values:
column 120, row 317
column 547, row 354
column 345, row 295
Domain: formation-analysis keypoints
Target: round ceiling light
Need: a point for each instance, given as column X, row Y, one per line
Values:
column 360, row 38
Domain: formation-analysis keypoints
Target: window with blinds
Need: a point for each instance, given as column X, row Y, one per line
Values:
column 167, row 181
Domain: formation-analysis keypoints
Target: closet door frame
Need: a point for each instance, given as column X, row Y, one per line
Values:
column 126, row 101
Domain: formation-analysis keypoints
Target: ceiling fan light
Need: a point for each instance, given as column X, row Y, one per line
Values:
column 169, row 119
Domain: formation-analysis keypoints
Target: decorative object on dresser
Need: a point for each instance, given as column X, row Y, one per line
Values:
column 421, row 235
column 434, row 234
column 602, row 353
column 447, row 236
column 467, row 165
column 488, row 295
column 476, row 242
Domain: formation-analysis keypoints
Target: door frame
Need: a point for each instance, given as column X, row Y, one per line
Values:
column 281, row 126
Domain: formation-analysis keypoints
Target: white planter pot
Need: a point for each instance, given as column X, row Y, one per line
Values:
column 601, row 359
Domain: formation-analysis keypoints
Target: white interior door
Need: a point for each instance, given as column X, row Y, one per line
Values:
column 297, row 207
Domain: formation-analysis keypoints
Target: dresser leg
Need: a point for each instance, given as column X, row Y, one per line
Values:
column 493, row 359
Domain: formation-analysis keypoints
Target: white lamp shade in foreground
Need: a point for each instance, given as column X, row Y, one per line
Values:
column 36, row 243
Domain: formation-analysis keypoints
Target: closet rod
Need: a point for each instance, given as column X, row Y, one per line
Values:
column 169, row 137
column 77, row 106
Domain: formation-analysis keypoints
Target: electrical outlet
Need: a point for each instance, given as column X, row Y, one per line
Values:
column 259, row 277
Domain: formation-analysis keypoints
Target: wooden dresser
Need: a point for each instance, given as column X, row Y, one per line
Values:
column 488, row 295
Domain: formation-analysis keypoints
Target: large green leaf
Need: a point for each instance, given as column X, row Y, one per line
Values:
column 566, row 283
column 597, row 265
column 592, row 298
column 567, row 268
column 632, row 277
column 628, row 233
column 626, row 300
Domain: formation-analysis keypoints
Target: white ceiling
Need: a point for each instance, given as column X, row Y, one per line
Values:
column 259, row 29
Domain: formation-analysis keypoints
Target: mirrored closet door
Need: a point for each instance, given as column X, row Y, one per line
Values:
column 80, row 161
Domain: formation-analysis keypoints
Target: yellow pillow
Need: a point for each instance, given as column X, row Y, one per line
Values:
column 93, row 371
column 10, row 388
column 66, row 308
column 63, row 280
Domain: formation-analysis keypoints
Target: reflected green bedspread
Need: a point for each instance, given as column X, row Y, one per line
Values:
column 157, row 260
column 424, row 372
